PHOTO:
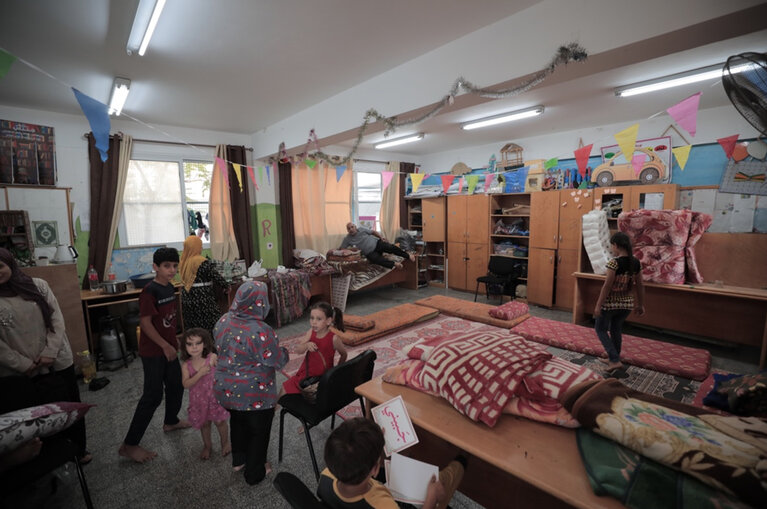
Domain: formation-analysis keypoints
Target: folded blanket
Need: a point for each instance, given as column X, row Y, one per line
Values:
column 674, row 434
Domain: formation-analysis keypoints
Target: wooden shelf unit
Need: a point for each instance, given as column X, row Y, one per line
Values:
column 504, row 208
column 15, row 232
column 426, row 216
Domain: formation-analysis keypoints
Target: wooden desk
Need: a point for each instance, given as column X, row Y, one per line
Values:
column 730, row 313
column 518, row 463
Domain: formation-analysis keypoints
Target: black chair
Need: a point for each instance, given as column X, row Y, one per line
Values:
column 295, row 492
column 501, row 271
column 335, row 391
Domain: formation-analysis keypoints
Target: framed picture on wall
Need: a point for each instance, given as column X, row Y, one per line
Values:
column 45, row 233
column 27, row 154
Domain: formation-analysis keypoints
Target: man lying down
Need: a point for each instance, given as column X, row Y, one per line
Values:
column 373, row 245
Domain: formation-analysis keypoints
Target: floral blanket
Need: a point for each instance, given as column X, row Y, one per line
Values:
column 289, row 295
column 727, row 453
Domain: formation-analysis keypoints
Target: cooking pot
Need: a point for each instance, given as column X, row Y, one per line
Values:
column 114, row 286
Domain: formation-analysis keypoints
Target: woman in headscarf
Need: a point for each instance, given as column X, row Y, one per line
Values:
column 198, row 277
column 248, row 356
column 34, row 344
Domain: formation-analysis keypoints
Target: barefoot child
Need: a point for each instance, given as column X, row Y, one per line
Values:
column 159, row 357
column 197, row 376
column 320, row 345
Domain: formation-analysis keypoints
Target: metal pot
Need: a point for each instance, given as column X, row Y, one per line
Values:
column 114, row 286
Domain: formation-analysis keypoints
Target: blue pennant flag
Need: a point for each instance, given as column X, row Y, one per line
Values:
column 97, row 114
column 340, row 172
column 268, row 174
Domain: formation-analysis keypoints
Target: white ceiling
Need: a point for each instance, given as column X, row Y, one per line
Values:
column 242, row 65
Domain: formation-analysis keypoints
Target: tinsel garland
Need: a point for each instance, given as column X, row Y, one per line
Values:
column 571, row 52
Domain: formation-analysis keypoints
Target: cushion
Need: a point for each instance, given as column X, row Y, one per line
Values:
column 510, row 311
column 386, row 321
column 474, row 311
column 20, row 426
column 358, row 323
column 422, row 349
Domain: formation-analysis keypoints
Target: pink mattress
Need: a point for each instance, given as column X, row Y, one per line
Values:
column 693, row 363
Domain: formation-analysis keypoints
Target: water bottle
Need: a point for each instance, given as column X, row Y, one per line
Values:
column 111, row 276
column 93, row 279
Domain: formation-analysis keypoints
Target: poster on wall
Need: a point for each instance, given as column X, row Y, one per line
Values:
column 27, row 154
column 661, row 147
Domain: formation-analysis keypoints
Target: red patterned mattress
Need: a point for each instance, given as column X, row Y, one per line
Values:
column 660, row 356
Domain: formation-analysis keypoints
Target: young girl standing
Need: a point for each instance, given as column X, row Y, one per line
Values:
column 197, row 376
column 320, row 345
column 616, row 300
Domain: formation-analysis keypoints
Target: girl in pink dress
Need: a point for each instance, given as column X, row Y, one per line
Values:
column 320, row 345
column 197, row 376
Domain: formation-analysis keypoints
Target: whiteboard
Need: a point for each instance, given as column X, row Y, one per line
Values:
column 42, row 204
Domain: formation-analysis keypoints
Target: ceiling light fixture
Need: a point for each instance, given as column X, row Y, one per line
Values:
column 503, row 118
column 400, row 141
column 120, row 89
column 676, row 80
column 147, row 14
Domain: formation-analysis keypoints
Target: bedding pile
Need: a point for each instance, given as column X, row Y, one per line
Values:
column 312, row 262
column 362, row 272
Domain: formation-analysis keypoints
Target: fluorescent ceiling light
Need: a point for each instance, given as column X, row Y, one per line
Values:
column 120, row 89
column 505, row 117
column 675, row 80
column 400, row 141
column 147, row 15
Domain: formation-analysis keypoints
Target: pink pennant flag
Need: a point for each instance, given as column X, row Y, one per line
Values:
column 223, row 169
column 637, row 161
column 386, row 176
column 488, row 181
column 685, row 113
column 460, row 185
column 728, row 144
column 582, row 158
column 446, row 181
column 252, row 177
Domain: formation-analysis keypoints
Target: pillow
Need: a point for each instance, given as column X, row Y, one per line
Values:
column 509, row 311
column 358, row 323
column 421, row 349
column 20, row 426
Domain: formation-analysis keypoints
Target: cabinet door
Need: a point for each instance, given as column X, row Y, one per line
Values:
column 456, row 266
column 540, row 276
column 477, row 211
column 567, row 263
column 655, row 196
column 476, row 265
column 433, row 210
column 573, row 204
column 544, row 219
column 456, row 218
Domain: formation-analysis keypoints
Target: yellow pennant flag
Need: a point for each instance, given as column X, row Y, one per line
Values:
column 627, row 140
column 681, row 154
column 238, row 172
column 416, row 179
column 472, row 180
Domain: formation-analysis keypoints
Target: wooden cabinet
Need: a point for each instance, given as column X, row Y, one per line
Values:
column 544, row 219
column 467, row 234
column 540, row 276
column 433, row 215
column 564, row 287
column 615, row 200
column 510, row 229
column 427, row 218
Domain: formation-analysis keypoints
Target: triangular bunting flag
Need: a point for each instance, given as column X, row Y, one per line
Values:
column 269, row 174
column 252, row 177
column 97, row 114
column 685, row 113
column 6, row 61
column 311, row 163
column 416, row 179
column 489, row 181
column 261, row 174
column 728, row 144
column 637, row 161
column 238, row 173
column 386, row 176
column 460, row 185
column 681, row 154
column 222, row 167
column 340, row 172
column 582, row 158
column 550, row 163
column 446, row 181
column 627, row 140
column 472, row 181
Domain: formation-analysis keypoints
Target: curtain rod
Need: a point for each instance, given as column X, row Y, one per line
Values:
column 140, row 140
column 370, row 161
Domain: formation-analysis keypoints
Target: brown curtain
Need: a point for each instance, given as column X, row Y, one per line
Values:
column 240, row 202
column 404, row 169
column 288, row 236
column 103, row 178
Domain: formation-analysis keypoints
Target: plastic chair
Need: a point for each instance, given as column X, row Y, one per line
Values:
column 335, row 391
column 295, row 492
column 501, row 270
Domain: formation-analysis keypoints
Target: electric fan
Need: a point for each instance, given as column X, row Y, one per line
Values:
column 745, row 80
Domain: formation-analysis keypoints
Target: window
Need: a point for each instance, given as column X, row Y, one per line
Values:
column 367, row 199
column 162, row 199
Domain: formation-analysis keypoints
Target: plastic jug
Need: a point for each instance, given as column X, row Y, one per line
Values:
column 87, row 366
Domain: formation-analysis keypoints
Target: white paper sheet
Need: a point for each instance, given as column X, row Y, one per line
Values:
column 398, row 430
column 703, row 200
column 409, row 478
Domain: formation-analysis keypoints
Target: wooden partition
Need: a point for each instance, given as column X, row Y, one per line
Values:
column 735, row 259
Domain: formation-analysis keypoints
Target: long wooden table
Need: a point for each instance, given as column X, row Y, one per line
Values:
column 733, row 314
column 518, row 463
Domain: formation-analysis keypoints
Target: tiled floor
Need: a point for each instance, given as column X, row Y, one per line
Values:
column 176, row 478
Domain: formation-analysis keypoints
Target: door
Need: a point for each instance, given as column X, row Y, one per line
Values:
column 433, row 213
column 573, row 204
column 477, row 212
column 567, row 263
column 544, row 219
column 456, row 218
column 656, row 196
column 456, row 267
column 540, row 276
column 476, row 264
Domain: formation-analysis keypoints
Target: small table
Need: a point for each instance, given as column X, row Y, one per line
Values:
column 518, row 463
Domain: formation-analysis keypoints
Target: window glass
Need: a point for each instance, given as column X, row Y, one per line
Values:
column 368, row 199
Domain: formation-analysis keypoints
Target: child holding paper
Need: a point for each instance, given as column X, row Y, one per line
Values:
column 353, row 455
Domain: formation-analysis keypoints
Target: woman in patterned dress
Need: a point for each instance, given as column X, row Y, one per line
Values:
column 198, row 277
